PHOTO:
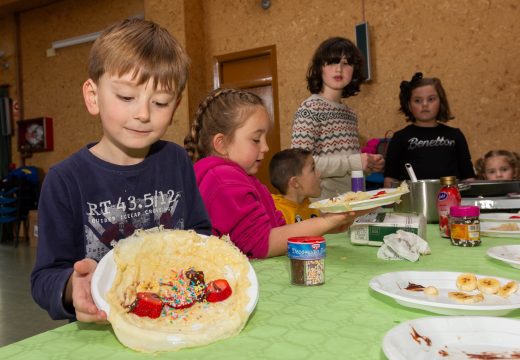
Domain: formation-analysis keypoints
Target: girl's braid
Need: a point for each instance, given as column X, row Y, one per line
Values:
column 192, row 140
column 216, row 113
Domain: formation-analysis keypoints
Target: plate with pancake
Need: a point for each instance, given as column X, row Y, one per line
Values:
column 409, row 288
column 500, row 229
column 510, row 254
column 454, row 337
column 361, row 200
column 500, row 217
column 165, row 290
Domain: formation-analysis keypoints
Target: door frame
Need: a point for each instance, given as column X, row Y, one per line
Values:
column 271, row 80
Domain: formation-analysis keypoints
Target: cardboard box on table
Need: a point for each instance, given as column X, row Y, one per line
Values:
column 370, row 229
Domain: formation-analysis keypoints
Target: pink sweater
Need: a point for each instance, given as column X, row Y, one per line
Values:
column 238, row 204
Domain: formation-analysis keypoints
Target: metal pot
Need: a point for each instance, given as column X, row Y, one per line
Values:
column 422, row 199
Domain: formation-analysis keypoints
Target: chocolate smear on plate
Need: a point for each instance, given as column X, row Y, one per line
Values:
column 414, row 287
column 495, row 356
column 418, row 337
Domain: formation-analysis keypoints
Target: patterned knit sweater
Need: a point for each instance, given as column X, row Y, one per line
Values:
column 330, row 131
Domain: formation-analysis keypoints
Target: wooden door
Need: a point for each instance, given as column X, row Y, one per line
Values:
column 254, row 70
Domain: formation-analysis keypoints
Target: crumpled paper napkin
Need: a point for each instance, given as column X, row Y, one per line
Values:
column 403, row 245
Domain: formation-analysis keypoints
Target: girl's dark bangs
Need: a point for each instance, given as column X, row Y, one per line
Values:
column 334, row 54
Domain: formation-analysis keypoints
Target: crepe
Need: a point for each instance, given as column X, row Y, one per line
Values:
column 506, row 227
column 155, row 254
column 351, row 197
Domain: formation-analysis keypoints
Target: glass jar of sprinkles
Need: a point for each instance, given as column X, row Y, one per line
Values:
column 465, row 225
column 307, row 257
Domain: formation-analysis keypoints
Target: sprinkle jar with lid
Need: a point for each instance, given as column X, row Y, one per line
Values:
column 307, row 256
column 465, row 225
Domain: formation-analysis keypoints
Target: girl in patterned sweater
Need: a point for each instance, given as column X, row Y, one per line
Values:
column 327, row 127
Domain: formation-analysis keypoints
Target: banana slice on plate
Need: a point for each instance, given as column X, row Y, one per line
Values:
column 148, row 286
column 466, row 282
column 488, row 285
column 463, row 298
column 508, row 289
column 431, row 291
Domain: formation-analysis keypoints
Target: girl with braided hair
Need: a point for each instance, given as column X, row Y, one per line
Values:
column 432, row 148
column 227, row 142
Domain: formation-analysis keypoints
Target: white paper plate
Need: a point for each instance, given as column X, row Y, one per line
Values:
column 485, row 230
column 326, row 206
column 394, row 284
column 499, row 217
column 454, row 337
column 509, row 254
column 106, row 272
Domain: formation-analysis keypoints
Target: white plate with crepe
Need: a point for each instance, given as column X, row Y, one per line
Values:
column 500, row 217
column 454, row 337
column 106, row 272
column 500, row 229
column 509, row 254
column 393, row 285
column 367, row 200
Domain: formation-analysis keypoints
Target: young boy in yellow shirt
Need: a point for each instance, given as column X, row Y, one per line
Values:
column 293, row 173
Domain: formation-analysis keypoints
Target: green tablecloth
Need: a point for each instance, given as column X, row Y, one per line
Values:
column 342, row 319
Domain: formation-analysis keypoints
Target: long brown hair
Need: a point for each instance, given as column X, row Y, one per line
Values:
column 331, row 51
column 221, row 112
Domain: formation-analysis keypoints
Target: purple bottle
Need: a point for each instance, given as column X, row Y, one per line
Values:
column 358, row 181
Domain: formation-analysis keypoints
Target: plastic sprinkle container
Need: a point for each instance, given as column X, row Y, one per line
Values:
column 465, row 225
column 307, row 256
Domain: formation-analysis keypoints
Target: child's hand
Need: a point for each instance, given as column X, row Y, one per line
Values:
column 372, row 162
column 342, row 221
column 86, row 310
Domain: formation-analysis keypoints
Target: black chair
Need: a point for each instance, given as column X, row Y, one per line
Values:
column 19, row 193
column 11, row 216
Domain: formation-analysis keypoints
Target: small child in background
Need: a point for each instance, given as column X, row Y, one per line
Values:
column 432, row 148
column 228, row 141
column 293, row 173
column 498, row 165
column 326, row 126
column 128, row 180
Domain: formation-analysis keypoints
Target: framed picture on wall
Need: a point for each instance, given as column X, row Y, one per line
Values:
column 35, row 135
column 363, row 43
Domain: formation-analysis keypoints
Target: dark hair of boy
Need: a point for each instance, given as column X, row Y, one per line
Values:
column 284, row 165
column 330, row 52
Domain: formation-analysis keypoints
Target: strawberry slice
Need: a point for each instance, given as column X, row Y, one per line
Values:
column 378, row 194
column 218, row 290
column 147, row 304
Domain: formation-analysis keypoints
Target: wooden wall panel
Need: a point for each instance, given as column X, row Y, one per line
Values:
column 171, row 15
column 8, row 63
column 471, row 45
column 52, row 85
